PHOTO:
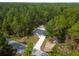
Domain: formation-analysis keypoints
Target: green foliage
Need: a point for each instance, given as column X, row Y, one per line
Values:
column 65, row 49
column 21, row 19
column 74, row 30
column 62, row 24
column 32, row 39
column 54, row 52
column 28, row 50
column 56, row 26
column 2, row 40
column 74, row 53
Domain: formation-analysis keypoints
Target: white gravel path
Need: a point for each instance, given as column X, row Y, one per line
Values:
column 40, row 32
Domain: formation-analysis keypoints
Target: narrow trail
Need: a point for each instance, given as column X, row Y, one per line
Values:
column 40, row 32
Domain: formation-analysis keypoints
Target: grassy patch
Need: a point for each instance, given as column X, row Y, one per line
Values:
column 64, row 49
column 32, row 39
column 11, row 37
column 27, row 39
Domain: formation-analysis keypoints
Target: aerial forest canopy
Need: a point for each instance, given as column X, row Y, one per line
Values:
column 20, row 19
column 61, row 20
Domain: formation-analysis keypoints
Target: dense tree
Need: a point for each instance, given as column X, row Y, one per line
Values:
column 56, row 26
column 74, row 32
column 21, row 19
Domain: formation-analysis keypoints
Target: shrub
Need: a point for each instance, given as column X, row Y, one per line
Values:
column 28, row 50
